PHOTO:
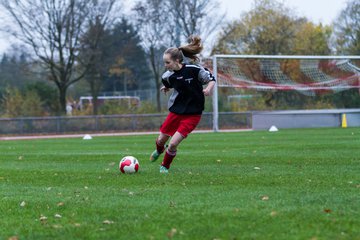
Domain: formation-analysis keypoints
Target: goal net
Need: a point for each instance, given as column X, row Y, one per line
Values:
column 307, row 75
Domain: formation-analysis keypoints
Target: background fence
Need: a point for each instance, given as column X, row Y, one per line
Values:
column 152, row 122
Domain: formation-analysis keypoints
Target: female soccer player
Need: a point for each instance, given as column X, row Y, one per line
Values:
column 186, row 103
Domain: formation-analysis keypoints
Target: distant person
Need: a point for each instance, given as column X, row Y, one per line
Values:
column 69, row 109
column 186, row 77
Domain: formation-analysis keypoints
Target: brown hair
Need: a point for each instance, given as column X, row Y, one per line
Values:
column 189, row 50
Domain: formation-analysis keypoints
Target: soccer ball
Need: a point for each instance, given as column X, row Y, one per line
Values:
column 129, row 164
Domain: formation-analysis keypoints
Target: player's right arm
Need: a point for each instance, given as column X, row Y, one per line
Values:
column 166, row 82
column 164, row 89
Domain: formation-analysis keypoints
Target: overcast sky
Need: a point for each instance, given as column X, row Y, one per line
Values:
column 324, row 11
column 317, row 11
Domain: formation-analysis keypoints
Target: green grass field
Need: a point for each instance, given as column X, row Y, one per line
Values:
column 291, row 184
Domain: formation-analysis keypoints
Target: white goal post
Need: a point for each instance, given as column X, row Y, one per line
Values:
column 308, row 75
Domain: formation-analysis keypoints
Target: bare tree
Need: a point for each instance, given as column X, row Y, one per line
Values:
column 92, row 56
column 155, row 33
column 200, row 17
column 53, row 30
column 347, row 29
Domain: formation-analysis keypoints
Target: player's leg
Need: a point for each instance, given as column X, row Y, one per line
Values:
column 171, row 151
column 167, row 129
column 187, row 124
column 160, row 146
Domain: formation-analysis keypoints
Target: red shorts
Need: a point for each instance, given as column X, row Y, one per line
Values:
column 184, row 124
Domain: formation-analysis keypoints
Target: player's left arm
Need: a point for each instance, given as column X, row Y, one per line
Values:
column 209, row 88
column 206, row 77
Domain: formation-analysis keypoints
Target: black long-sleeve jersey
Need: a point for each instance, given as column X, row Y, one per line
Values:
column 187, row 96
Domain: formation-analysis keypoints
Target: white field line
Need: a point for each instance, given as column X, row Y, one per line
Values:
column 33, row 137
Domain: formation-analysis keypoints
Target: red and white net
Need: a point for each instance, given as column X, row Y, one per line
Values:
column 308, row 76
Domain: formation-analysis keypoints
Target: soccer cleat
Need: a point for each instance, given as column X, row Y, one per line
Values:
column 164, row 169
column 154, row 156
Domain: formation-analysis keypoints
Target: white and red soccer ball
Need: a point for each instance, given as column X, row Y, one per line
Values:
column 129, row 164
